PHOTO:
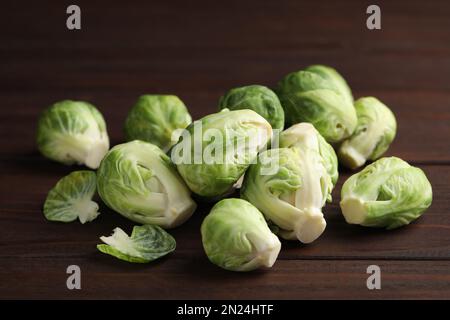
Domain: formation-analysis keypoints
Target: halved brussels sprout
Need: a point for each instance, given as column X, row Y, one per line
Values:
column 321, row 96
column 71, row 198
column 236, row 237
column 138, row 180
column 146, row 243
column 374, row 133
column 73, row 132
column 388, row 193
column 292, row 196
column 156, row 118
column 214, row 152
column 258, row 98
column 304, row 135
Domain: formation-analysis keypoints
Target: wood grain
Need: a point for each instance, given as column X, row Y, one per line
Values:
column 197, row 278
column 198, row 51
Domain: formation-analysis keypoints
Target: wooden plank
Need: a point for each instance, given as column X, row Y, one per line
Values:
column 103, row 277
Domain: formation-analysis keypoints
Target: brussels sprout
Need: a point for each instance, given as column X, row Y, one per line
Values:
column 138, row 180
column 147, row 243
column 319, row 95
column 304, row 135
column 71, row 198
column 236, row 237
column 258, row 98
column 73, row 132
column 293, row 195
column 155, row 118
column 374, row 133
column 388, row 193
column 217, row 149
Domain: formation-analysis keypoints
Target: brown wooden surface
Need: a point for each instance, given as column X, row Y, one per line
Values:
column 198, row 51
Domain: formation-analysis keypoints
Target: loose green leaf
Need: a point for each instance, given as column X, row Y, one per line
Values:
column 146, row 243
column 71, row 198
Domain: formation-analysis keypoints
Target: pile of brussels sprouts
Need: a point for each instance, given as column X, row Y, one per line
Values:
column 285, row 179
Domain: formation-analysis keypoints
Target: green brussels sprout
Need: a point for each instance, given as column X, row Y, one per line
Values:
column 138, row 180
column 214, row 152
column 258, row 98
column 374, row 133
column 236, row 237
column 73, row 132
column 321, row 96
column 293, row 194
column 147, row 243
column 388, row 193
column 304, row 135
column 71, row 198
column 156, row 118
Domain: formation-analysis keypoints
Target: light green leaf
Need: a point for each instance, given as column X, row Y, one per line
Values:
column 146, row 243
column 71, row 198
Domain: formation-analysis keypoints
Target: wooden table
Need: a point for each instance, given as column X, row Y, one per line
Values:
column 198, row 51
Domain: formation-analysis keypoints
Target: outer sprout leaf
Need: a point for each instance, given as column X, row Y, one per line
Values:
column 71, row 198
column 146, row 243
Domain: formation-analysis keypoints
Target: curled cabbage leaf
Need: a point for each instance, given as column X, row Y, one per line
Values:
column 146, row 243
column 71, row 198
